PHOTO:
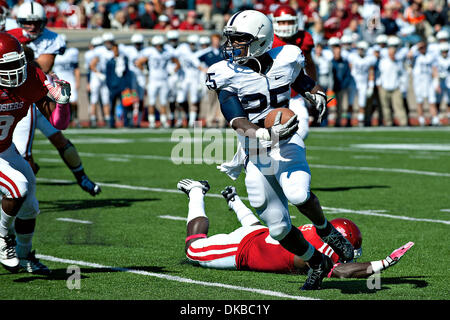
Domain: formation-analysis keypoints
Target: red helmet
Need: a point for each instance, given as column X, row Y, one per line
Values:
column 13, row 64
column 285, row 13
column 351, row 232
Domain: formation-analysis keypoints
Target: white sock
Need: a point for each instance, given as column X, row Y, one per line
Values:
column 243, row 213
column 192, row 118
column 151, row 119
column 163, row 119
column 196, row 204
column 24, row 244
column 6, row 222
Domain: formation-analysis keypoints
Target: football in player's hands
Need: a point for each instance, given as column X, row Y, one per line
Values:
column 286, row 114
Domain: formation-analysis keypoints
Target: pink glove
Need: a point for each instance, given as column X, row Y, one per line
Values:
column 395, row 256
column 60, row 117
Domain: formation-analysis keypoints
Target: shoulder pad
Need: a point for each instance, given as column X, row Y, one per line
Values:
column 219, row 76
column 291, row 54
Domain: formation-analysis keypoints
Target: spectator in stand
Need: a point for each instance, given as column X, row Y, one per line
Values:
column 435, row 16
column 220, row 13
column 97, row 21
column 239, row 5
column 51, row 12
column 163, row 23
column 414, row 15
column 204, row 8
column 120, row 21
column 104, row 11
column 389, row 21
column 149, row 19
column 170, row 12
column 191, row 22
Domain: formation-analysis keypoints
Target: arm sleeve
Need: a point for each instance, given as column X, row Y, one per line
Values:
column 230, row 105
column 303, row 83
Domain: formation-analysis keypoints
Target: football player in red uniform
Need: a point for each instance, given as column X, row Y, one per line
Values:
column 21, row 85
column 286, row 29
column 250, row 247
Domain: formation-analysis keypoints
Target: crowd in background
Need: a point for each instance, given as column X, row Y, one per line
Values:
column 345, row 32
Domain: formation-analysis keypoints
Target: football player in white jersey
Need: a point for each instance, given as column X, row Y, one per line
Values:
column 66, row 67
column 99, row 89
column 252, row 81
column 362, row 67
column 188, row 92
column 425, row 81
column 176, row 115
column 158, row 56
column 88, row 56
column 443, row 65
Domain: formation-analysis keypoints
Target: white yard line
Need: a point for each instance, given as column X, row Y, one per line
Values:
column 168, row 217
column 174, row 278
column 74, row 220
column 375, row 213
column 194, row 160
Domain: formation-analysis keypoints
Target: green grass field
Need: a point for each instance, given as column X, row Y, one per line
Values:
column 393, row 183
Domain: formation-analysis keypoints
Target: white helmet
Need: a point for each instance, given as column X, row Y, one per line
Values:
column 362, row 45
column 32, row 12
column 108, row 36
column 137, row 38
column 205, row 40
column 346, row 39
column 254, row 29
column 381, row 39
column 443, row 46
column 158, row 40
column 393, row 41
column 442, row 35
column 193, row 39
column 96, row 41
column 173, row 35
column 334, row 41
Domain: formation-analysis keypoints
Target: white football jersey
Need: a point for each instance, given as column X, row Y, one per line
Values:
column 48, row 42
column 188, row 61
column 66, row 64
column 423, row 66
column 157, row 62
column 360, row 66
column 133, row 54
column 443, row 65
column 88, row 56
column 103, row 55
column 259, row 93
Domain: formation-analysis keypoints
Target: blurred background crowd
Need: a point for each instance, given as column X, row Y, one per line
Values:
column 404, row 30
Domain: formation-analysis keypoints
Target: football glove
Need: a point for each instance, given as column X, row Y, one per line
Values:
column 319, row 101
column 284, row 131
column 60, row 91
column 397, row 254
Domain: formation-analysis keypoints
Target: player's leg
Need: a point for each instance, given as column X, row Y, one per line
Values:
column 163, row 100
column 266, row 196
column 194, row 107
column 294, row 177
column 104, row 94
column 71, row 158
column 399, row 108
column 94, row 86
column 432, row 102
column 152, row 94
column 25, row 224
column 197, row 221
column 15, row 188
column 243, row 213
column 362, row 102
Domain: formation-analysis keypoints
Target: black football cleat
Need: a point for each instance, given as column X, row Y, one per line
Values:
column 340, row 245
column 89, row 186
column 316, row 274
column 229, row 193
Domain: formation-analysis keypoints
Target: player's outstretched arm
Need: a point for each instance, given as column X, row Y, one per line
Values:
column 366, row 269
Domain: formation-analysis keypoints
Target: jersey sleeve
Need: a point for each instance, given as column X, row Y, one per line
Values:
column 293, row 55
column 308, row 42
column 217, row 77
column 55, row 44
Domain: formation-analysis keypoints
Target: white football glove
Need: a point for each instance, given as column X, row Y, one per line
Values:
column 60, row 91
column 284, row 131
column 100, row 76
column 319, row 101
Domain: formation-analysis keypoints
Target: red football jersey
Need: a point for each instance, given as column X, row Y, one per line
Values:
column 301, row 39
column 18, row 34
column 14, row 103
column 260, row 252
